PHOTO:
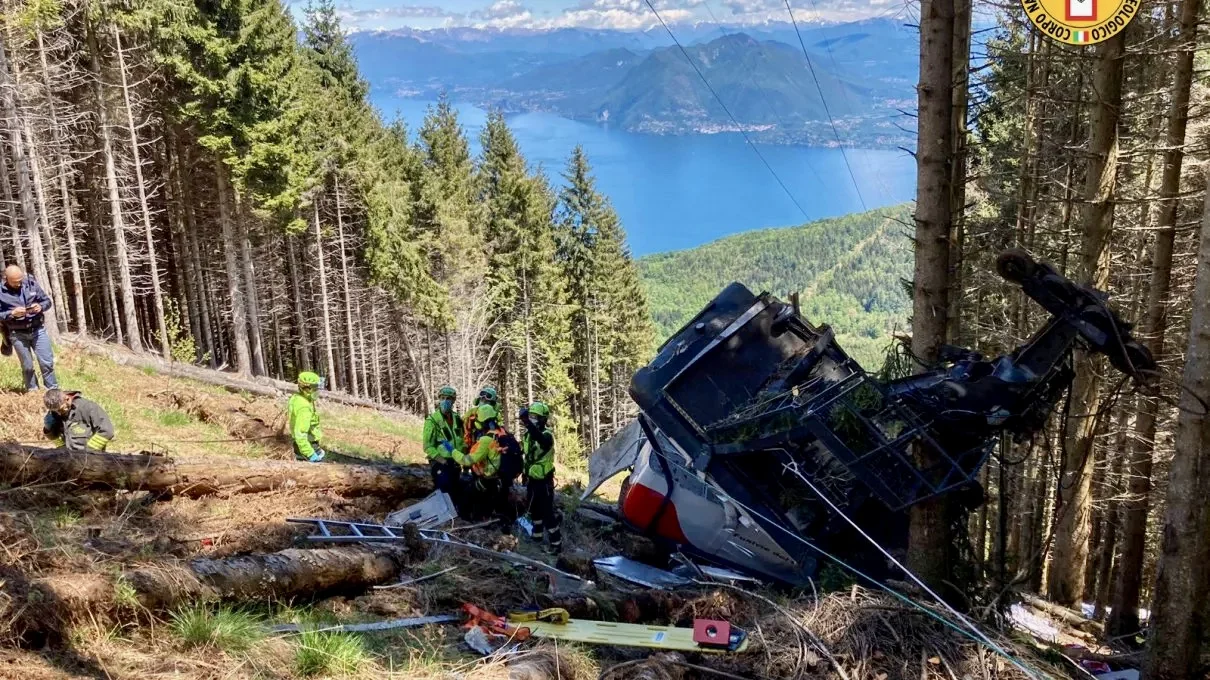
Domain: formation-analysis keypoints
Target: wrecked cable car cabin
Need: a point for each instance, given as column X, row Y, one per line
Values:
column 762, row 446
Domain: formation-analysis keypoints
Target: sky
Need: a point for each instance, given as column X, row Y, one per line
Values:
column 370, row 15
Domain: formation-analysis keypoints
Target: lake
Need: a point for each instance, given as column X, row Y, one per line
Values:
column 675, row 192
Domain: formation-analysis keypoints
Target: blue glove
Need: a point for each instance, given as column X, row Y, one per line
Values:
column 448, row 446
column 317, row 456
column 48, row 422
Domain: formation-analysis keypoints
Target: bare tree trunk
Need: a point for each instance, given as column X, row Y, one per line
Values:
column 1124, row 615
column 255, row 333
column 14, row 227
column 43, row 249
column 64, row 195
column 185, row 267
column 1175, row 628
column 115, row 200
column 377, row 347
column 302, row 356
column 1066, row 579
column 25, row 180
column 239, row 309
column 202, row 291
column 1099, row 581
column 324, row 303
column 958, row 94
column 354, row 386
column 929, row 540
column 144, row 208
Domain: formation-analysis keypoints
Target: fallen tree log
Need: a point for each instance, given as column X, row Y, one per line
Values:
column 194, row 477
column 46, row 606
column 1067, row 616
column 235, row 421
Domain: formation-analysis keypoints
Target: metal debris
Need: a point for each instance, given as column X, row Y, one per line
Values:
column 433, row 511
column 508, row 556
column 391, row 624
column 639, row 573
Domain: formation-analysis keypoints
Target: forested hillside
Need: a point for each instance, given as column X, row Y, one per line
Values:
column 208, row 181
column 1092, row 157
column 848, row 270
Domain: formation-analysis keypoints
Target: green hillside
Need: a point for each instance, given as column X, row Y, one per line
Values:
column 848, row 270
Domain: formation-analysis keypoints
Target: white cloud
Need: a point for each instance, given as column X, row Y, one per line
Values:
column 354, row 18
column 504, row 14
column 605, row 14
column 503, row 9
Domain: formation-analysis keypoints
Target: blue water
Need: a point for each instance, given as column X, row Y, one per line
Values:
column 679, row 192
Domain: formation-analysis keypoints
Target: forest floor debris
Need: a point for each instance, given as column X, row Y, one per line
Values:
column 82, row 538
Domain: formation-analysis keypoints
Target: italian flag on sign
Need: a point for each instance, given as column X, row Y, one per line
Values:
column 1079, row 36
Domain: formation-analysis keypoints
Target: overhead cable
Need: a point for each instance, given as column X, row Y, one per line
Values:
column 738, row 127
column 826, row 110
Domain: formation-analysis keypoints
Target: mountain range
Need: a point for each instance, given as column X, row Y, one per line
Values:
column 640, row 81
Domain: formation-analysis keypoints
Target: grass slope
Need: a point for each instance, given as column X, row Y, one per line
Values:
column 148, row 417
column 848, row 270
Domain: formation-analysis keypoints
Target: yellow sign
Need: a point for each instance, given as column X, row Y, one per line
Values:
column 1080, row 22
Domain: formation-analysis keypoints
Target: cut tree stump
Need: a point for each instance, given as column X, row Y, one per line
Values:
column 194, row 477
column 42, row 608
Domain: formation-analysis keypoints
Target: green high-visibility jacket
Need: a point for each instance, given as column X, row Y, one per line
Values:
column 304, row 421
column 437, row 431
column 539, row 452
column 484, row 457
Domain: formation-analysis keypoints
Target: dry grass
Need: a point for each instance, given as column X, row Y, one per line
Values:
column 146, row 411
column 55, row 531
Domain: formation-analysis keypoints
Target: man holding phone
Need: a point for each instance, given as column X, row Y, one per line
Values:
column 23, row 307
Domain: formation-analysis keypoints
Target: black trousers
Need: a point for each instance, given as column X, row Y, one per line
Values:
column 540, row 499
column 447, row 477
column 491, row 499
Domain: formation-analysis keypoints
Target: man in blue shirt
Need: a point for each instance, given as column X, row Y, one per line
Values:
column 23, row 307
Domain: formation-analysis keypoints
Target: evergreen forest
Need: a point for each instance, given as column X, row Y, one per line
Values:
column 208, row 181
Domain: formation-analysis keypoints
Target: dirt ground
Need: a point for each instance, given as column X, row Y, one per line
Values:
column 56, row 530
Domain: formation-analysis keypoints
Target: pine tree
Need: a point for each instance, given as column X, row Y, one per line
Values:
column 610, row 327
column 525, row 283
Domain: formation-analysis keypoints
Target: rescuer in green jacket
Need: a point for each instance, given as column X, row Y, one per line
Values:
column 304, row 419
column 444, row 443
column 82, row 424
column 538, row 453
column 488, row 396
column 495, row 460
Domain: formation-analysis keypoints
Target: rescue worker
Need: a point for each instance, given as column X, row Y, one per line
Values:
column 82, row 423
column 487, row 395
column 538, row 452
column 304, row 419
column 494, row 462
column 444, row 443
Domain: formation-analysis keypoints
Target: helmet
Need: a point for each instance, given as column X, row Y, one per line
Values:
column 539, row 409
column 447, row 392
column 309, row 379
column 485, row 413
column 488, row 395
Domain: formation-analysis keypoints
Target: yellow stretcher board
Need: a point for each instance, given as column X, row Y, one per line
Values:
column 626, row 635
